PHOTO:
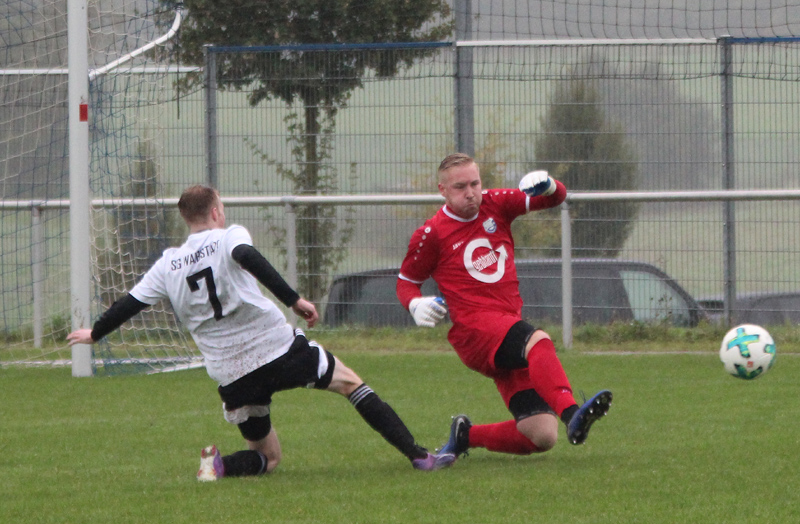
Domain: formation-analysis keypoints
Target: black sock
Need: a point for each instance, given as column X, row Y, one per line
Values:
column 244, row 463
column 383, row 419
column 568, row 413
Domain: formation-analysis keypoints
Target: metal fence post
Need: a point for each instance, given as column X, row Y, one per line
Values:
column 464, row 93
column 211, row 116
column 729, row 181
column 291, row 249
column 37, row 259
column 566, row 276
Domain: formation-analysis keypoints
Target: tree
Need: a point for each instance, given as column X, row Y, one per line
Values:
column 319, row 86
column 580, row 147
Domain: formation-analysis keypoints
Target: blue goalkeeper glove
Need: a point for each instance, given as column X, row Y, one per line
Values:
column 537, row 183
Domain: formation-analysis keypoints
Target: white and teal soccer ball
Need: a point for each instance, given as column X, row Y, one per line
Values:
column 747, row 351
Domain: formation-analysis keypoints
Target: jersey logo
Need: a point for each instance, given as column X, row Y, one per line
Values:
column 475, row 267
column 490, row 226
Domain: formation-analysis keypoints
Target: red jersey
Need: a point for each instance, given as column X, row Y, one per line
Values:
column 472, row 262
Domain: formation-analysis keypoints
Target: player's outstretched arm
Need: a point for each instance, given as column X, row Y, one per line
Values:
column 254, row 262
column 119, row 312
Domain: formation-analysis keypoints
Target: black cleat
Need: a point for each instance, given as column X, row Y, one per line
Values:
column 458, row 443
column 591, row 410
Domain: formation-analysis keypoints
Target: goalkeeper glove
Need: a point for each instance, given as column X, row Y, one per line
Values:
column 537, row 183
column 427, row 311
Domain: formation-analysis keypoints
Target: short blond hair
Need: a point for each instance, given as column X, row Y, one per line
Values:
column 455, row 160
column 196, row 203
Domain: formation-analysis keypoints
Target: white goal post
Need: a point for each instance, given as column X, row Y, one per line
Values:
column 79, row 157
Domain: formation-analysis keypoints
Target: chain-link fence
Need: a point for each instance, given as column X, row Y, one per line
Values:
column 376, row 120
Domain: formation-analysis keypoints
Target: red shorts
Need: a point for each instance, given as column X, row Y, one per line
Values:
column 476, row 345
column 477, row 337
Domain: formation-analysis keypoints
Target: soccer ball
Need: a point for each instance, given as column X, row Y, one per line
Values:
column 747, row 351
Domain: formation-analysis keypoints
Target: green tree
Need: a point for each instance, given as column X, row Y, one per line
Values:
column 587, row 152
column 319, row 86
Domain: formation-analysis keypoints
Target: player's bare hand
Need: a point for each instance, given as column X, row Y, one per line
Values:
column 80, row 336
column 306, row 310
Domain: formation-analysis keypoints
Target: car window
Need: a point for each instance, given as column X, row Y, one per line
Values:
column 602, row 293
column 541, row 288
column 369, row 300
column 376, row 301
column 598, row 295
column 654, row 299
column 775, row 310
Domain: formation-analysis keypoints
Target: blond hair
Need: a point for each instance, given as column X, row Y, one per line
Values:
column 455, row 160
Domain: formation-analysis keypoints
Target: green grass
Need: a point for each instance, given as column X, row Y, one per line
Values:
column 633, row 337
column 684, row 442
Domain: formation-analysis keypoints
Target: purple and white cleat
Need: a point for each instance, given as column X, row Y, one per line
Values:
column 211, row 466
column 433, row 462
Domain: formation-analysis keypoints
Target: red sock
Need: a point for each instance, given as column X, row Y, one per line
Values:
column 548, row 377
column 502, row 437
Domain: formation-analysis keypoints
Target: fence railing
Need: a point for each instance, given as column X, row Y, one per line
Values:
column 290, row 203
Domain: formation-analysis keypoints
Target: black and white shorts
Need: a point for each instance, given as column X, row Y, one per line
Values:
column 246, row 401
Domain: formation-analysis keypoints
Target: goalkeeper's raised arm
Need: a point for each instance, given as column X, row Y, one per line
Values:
column 537, row 183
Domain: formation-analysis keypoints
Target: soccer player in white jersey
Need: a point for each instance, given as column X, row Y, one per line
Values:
column 468, row 249
column 248, row 346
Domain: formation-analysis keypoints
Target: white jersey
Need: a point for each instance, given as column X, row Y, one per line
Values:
column 233, row 324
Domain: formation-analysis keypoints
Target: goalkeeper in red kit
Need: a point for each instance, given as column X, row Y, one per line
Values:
column 468, row 249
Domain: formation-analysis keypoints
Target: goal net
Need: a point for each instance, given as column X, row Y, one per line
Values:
column 131, row 97
column 131, row 77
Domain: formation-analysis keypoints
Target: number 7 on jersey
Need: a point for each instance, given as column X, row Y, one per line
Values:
column 208, row 275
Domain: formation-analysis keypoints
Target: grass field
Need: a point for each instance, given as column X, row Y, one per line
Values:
column 683, row 442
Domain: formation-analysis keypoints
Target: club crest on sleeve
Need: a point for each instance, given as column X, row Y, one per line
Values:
column 489, row 225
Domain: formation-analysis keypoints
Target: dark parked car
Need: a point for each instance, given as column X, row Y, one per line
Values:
column 604, row 291
column 764, row 309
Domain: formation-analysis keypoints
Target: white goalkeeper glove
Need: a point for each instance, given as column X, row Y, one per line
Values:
column 537, row 183
column 427, row 311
